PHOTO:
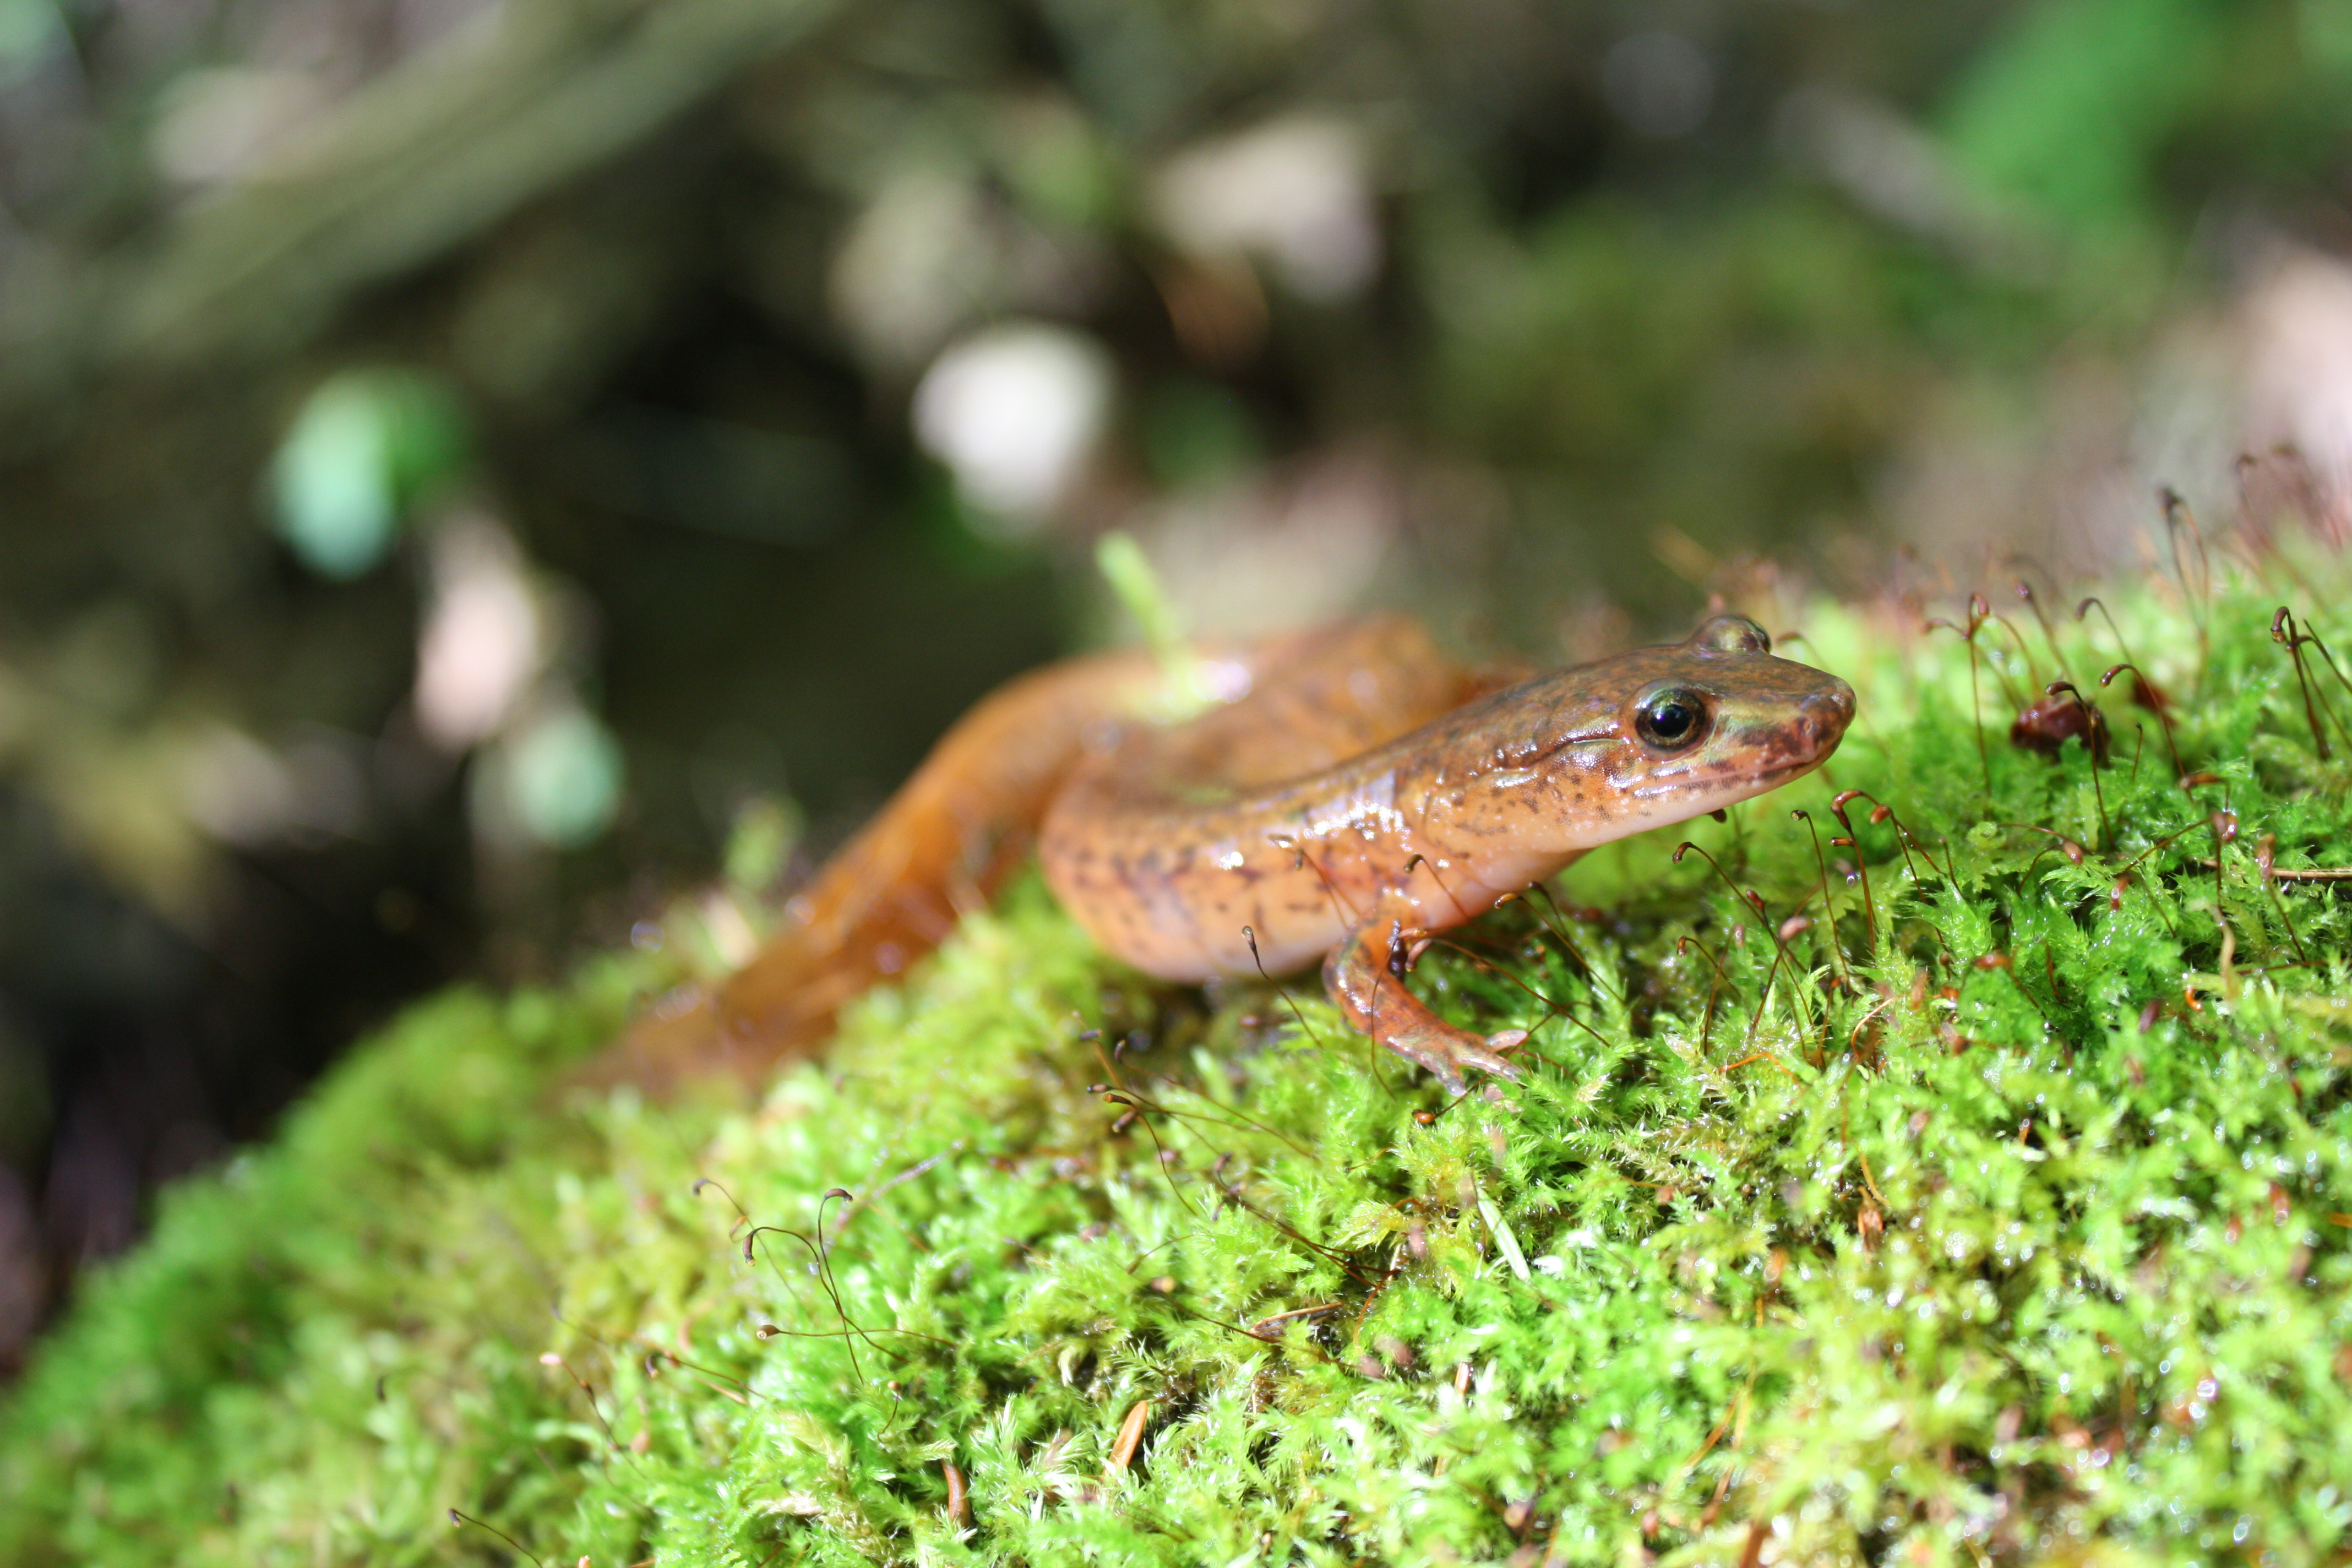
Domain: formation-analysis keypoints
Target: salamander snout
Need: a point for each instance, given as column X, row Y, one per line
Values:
column 1823, row 716
column 1788, row 731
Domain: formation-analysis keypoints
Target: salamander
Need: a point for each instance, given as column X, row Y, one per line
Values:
column 1341, row 795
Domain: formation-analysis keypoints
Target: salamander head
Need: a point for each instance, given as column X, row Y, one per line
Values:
column 1659, row 735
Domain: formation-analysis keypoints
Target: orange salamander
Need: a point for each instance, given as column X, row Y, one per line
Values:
column 1341, row 795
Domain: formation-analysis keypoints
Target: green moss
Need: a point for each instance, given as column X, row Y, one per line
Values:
column 1999, row 1212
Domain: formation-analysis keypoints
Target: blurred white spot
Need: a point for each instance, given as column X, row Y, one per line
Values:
column 1295, row 192
column 918, row 262
column 236, row 789
column 2299, row 365
column 1014, row 413
column 418, row 24
column 1890, row 167
column 1222, row 680
column 484, row 638
column 240, row 792
column 1294, row 547
column 563, row 777
column 216, row 123
column 1876, row 156
column 731, row 936
column 1659, row 83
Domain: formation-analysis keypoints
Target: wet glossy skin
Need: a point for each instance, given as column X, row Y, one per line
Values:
column 1346, row 793
column 1178, row 869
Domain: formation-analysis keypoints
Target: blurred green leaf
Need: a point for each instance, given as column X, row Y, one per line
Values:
column 365, row 446
column 2071, row 110
column 563, row 777
column 1123, row 563
column 29, row 31
column 2323, row 29
column 766, row 829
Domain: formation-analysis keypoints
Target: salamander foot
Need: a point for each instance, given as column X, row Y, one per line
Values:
column 1365, row 978
column 1447, row 1051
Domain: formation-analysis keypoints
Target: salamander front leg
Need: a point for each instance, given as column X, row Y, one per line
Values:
column 1365, row 977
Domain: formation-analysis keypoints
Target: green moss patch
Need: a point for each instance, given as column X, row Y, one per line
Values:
column 1978, row 1191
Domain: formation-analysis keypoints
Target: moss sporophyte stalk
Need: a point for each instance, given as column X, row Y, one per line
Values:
column 1947, row 1160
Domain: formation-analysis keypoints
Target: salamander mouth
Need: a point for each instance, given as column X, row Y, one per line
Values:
column 1786, row 773
column 1691, row 796
column 1806, row 739
column 1777, row 750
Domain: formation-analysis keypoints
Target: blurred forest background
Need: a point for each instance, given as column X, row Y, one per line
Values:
column 471, row 470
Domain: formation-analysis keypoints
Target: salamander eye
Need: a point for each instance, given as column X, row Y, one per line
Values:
column 1731, row 634
column 1673, row 720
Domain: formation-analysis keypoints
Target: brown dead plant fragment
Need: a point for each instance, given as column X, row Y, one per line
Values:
column 1130, row 1436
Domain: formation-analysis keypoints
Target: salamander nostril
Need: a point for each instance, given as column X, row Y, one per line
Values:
column 1828, row 710
column 1822, row 716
